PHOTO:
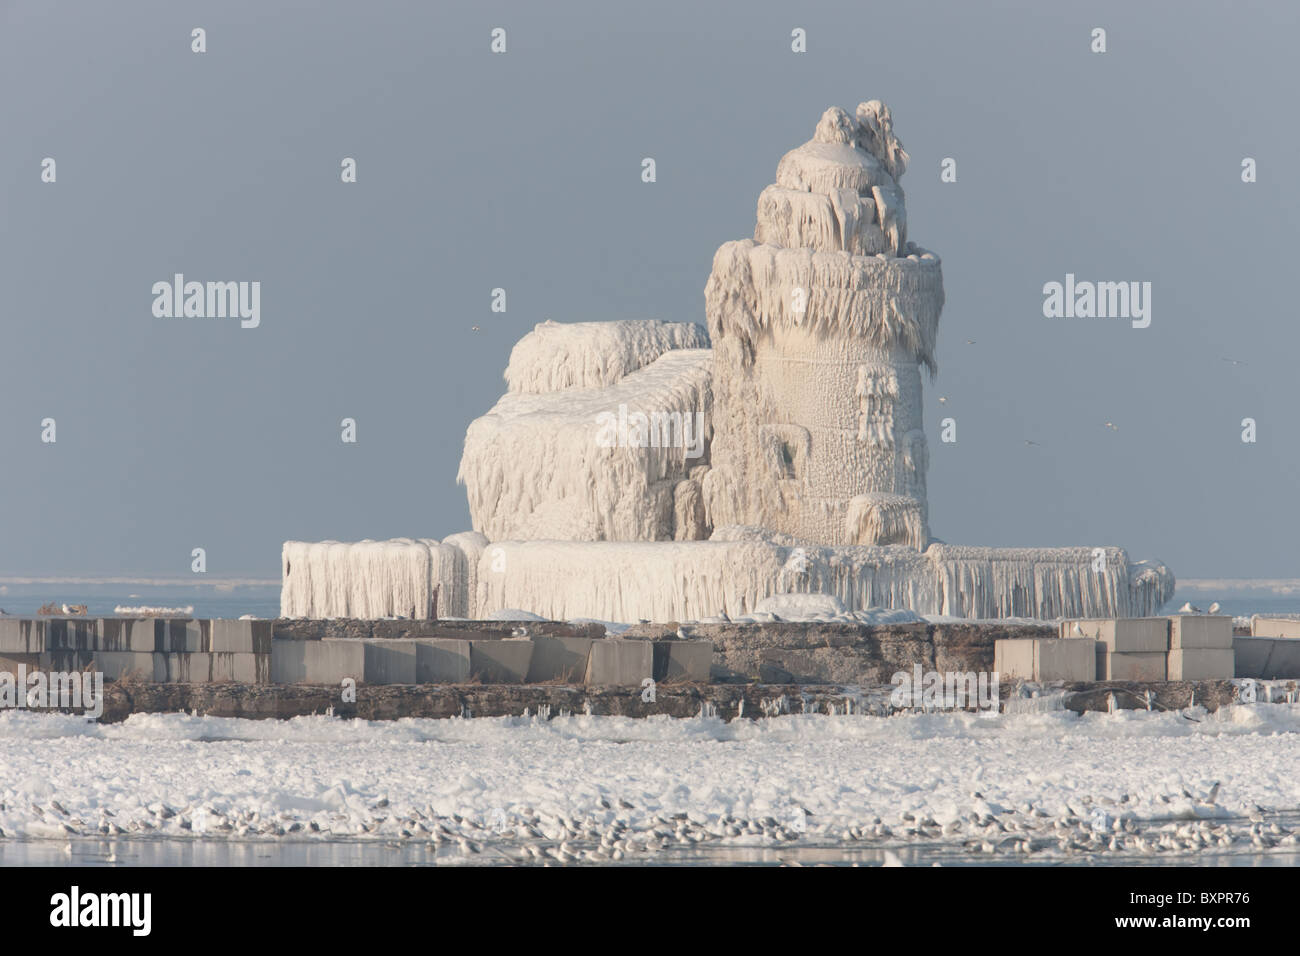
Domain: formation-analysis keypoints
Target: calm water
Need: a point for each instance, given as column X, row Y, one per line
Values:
column 170, row 852
column 259, row 602
column 1238, row 606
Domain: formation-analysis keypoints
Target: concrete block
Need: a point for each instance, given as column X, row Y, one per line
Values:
column 1014, row 658
column 1125, row 635
column 240, row 637
column 317, row 662
column 1204, row 663
column 559, row 659
column 1261, row 626
column 11, row 663
column 1266, row 658
column 441, row 660
column 21, row 635
column 1284, row 662
column 71, row 634
column 683, row 660
column 180, row 635
column 621, row 662
column 1046, row 658
column 182, row 668
column 500, row 661
column 1251, row 656
column 240, row 668
column 119, row 634
column 1148, row 666
column 68, row 660
column 1194, row 632
column 390, row 661
column 1069, row 660
column 116, row 665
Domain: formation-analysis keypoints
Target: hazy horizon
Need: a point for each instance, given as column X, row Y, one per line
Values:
column 522, row 170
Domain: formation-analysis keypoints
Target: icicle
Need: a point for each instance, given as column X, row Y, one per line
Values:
column 377, row 579
column 732, row 572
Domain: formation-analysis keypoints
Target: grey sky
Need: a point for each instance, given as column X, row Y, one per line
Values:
column 523, row 171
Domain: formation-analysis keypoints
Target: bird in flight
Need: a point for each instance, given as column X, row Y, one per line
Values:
column 1112, row 426
column 1232, row 361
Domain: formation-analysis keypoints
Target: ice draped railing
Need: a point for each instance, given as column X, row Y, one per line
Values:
column 378, row 579
column 667, row 581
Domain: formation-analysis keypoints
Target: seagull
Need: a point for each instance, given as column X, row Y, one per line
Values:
column 1214, row 608
column 943, row 399
column 1078, row 630
column 682, row 633
column 1188, row 609
column 1232, row 361
column 1112, row 426
column 1028, row 442
column 970, row 341
column 474, row 328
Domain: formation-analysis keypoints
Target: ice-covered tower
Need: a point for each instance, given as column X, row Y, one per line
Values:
column 820, row 325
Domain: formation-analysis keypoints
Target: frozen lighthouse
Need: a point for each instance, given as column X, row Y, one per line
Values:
column 655, row 470
column 820, row 327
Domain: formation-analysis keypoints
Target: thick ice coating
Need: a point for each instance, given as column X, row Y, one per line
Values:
column 653, row 470
column 591, row 464
column 820, row 326
column 555, row 356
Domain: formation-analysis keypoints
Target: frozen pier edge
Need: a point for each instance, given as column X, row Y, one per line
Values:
column 389, row 669
column 643, row 470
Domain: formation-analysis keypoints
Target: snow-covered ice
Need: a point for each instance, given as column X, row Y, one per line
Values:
column 1035, row 783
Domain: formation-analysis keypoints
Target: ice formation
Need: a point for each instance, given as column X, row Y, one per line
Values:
column 820, row 326
column 650, row 470
column 167, row 778
column 683, row 581
column 555, row 356
column 403, row 577
column 593, row 463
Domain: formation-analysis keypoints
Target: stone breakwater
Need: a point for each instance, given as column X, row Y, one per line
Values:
column 724, row 701
column 302, row 651
column 388, row 669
